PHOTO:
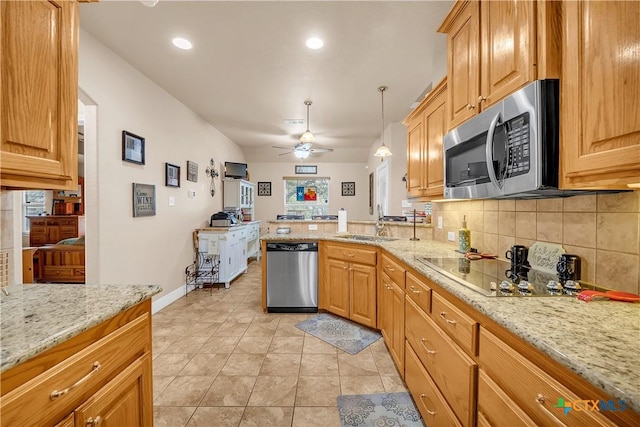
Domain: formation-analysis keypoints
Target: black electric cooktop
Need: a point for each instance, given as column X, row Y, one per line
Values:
column 494, row 277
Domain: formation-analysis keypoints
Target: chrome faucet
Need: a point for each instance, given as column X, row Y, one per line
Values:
column 379, row 223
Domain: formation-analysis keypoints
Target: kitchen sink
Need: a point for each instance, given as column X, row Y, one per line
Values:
column 366, row 237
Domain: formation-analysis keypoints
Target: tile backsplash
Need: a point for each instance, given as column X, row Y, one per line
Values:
column 603, row 229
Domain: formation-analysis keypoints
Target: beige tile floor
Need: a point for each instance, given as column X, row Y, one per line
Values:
column 218, row 360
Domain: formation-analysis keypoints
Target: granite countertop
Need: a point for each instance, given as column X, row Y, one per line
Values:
column 35, row 318
column 598, row 340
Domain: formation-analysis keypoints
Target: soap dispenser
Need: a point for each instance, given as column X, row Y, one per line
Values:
column 464, row 237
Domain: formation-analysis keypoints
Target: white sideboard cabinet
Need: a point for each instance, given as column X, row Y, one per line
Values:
column 239, row 194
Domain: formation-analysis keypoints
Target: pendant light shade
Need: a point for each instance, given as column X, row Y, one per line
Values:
column 307, row 136
column 383, row 150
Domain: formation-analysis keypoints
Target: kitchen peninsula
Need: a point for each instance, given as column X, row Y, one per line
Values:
column 582, row 349
column 71, row 350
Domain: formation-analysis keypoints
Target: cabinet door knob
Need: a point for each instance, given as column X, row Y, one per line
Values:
column 482, row 99
column 94, row 422
column 470, row 106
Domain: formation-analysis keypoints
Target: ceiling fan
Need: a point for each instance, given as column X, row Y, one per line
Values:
column 303, row 150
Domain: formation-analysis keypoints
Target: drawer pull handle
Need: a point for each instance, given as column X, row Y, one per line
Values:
column 391, row 268
column 422, row 396
column 422, row 341
column 350, row 255
column 444, row 316
column 55, row 393
column 94, row 422
column 414, row 290
column 388, row 286
column 541, row 400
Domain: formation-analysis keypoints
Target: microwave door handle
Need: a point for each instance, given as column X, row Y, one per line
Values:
column 489, row 148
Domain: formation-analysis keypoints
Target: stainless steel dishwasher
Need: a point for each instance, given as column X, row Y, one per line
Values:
column 292, row 277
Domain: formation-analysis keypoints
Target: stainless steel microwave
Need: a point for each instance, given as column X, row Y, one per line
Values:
column 510, row 150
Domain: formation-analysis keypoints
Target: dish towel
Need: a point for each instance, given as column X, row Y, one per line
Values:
column 213, row 248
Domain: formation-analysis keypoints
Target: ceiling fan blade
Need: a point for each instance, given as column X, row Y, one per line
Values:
column 321, row 150
column 282, row 148
column 285, row 153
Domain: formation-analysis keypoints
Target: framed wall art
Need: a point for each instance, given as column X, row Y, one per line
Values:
column 264, row 188
column 348, row 188
column 132, row 148
column 171, row 175
column 192, row 171
column 144, row 199
column 306, row 169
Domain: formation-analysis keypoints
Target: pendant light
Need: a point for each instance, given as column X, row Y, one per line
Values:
column 383, row 150
column 307, row 136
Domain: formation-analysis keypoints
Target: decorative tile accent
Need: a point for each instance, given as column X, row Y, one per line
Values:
column 348, row 188
column 264, row 188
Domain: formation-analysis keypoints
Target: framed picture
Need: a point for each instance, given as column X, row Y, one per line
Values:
column 348, row 188
column 132, row 148
column 306, row 169
column 144, row 200
column 171, row 175
column 264, row 188
column 192, row 171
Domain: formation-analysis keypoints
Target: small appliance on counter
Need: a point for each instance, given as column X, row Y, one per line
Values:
column 223, row 219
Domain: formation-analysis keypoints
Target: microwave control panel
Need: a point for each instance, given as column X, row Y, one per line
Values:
column 518, row 147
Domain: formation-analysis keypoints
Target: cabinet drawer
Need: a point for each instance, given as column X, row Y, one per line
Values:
column 351, row 254
column 462, row 328
column 58, row 271
column 451, row 369
column 41, row 222
column 37, row 229
column 531, row 388
column 495, row 408
column 419, row 292
column 68, row 222
column 393, row 270
column 432, row 406
column 68, row 230
column 39, row 239
column 77, row 374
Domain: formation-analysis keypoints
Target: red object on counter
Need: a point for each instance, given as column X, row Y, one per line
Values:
column 612, row 295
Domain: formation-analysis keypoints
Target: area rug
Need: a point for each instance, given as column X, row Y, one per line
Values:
column 384, row 409
column 344, row 334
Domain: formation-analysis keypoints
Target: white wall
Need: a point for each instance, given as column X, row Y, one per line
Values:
column 395, row 137
column 156, row 249
column 357, row 207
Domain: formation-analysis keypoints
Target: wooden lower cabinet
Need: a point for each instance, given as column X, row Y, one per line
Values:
column 495, row 408
column 531, row 388
column 121, row 401
column 391, row 321
column 101, row 377
column 349, row 282
column 432, row 405
column 453, row 371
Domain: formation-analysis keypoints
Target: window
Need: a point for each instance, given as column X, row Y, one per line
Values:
column 306, row 196
column 34, row 203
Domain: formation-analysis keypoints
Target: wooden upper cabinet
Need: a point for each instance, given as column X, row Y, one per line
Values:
column 462, row 26
column 39, row 80
column 600, row 95
column 495, row 48
column 426, row 126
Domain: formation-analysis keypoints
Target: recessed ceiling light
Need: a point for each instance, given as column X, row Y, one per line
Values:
column 182, row 43
column 314, row 43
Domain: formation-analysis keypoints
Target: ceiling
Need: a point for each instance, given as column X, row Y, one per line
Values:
column 249, row 69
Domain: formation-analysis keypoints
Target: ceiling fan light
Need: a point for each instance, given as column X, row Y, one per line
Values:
column 382, row 151
column 307, row 137
column 301, row 154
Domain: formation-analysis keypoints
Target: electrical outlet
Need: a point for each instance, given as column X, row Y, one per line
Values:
column 451, row 236
column 440, row 222
column 313, row 227
column 192, row 194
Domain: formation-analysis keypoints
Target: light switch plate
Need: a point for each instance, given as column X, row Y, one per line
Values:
column 172, row 201
column 451, row 236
